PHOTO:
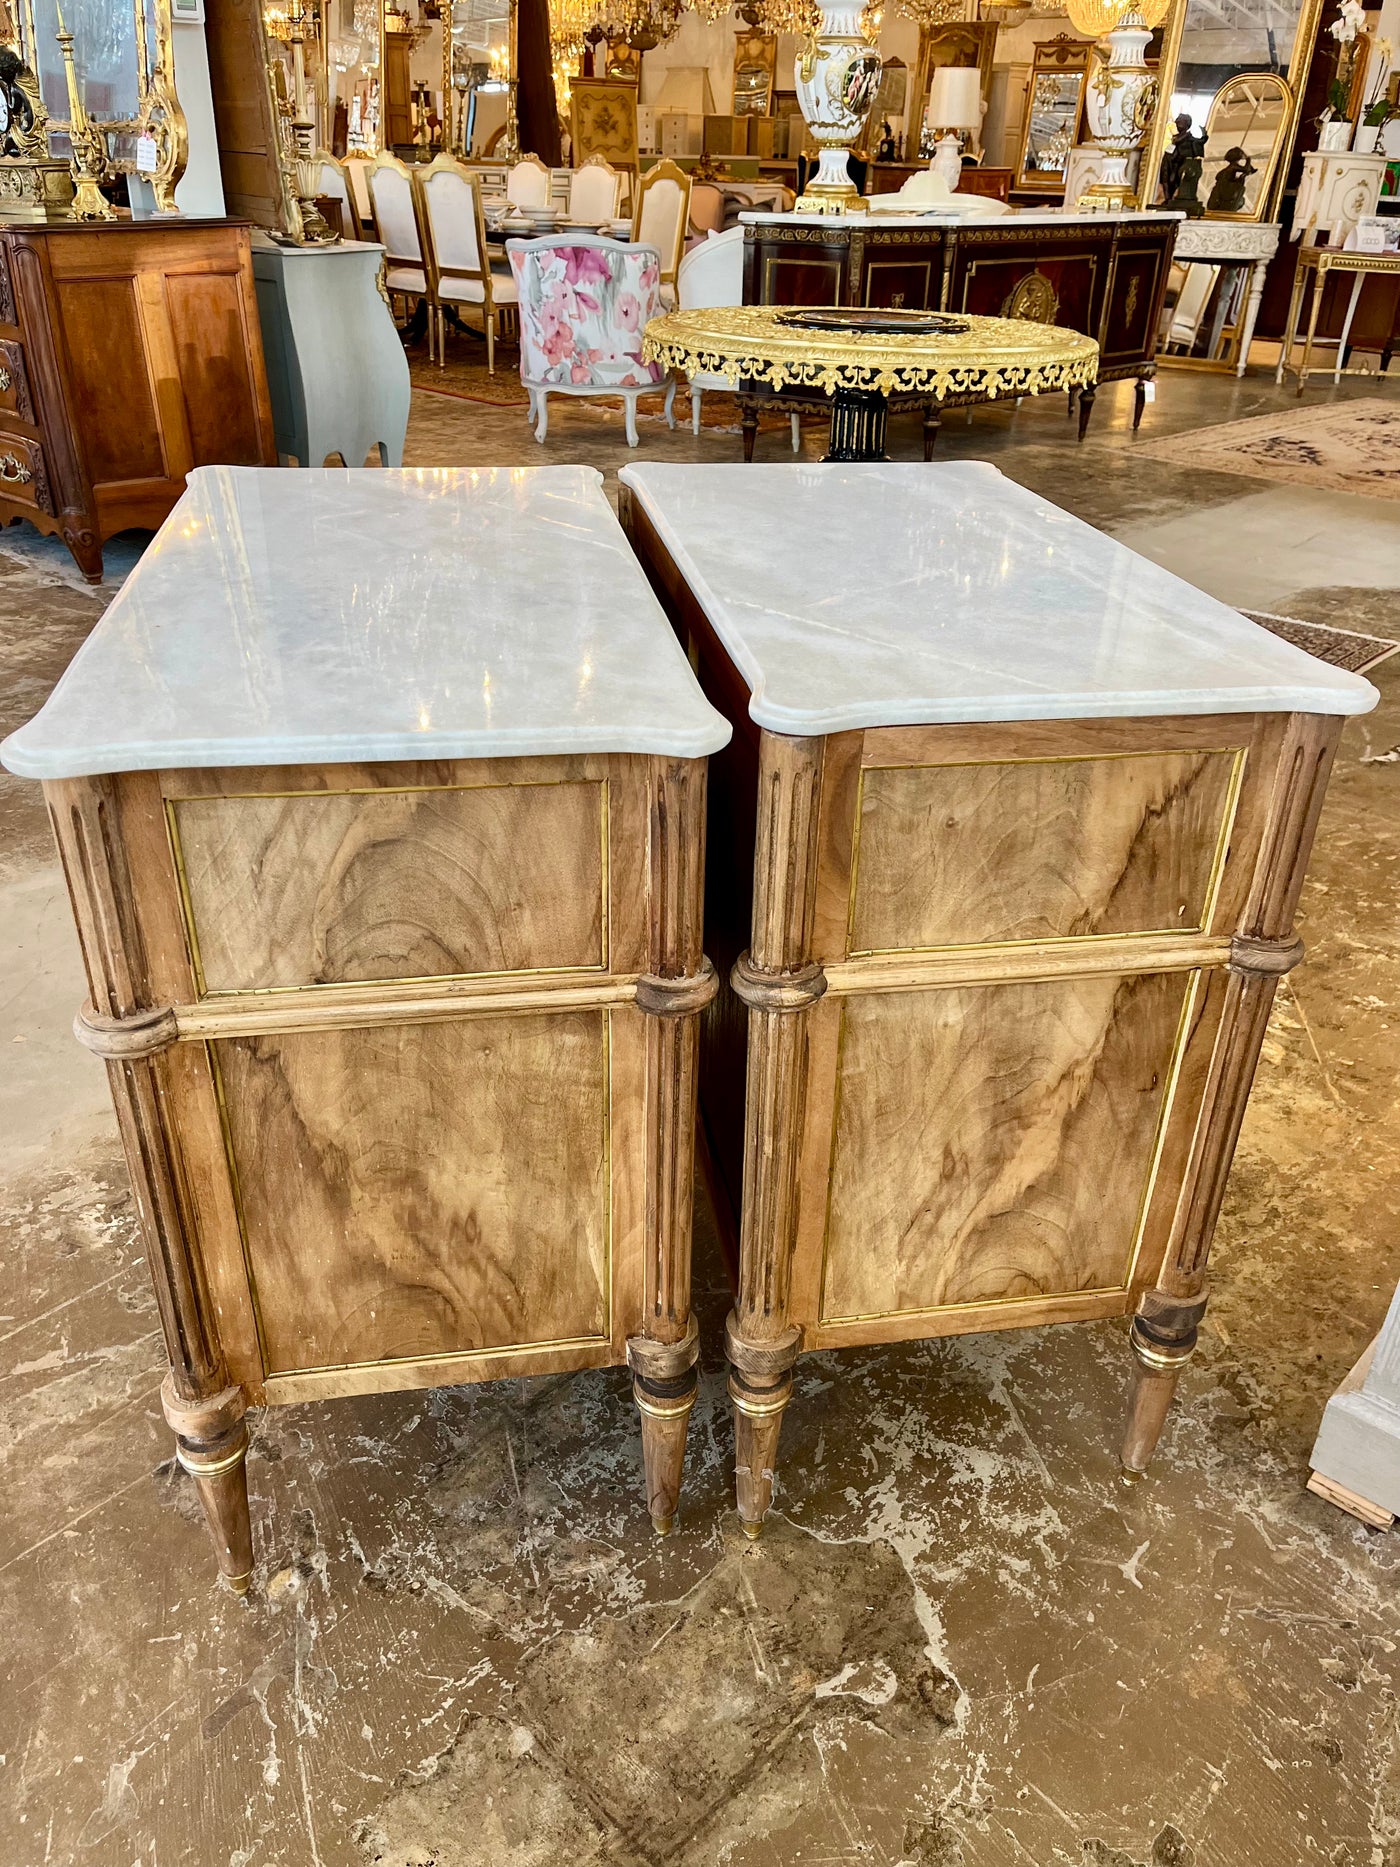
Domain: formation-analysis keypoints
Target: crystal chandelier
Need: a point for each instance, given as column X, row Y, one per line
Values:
column 934, row 12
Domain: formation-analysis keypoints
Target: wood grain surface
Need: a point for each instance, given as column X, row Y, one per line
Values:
column 422, row 1190
column 329, row 889
column 1037, row 849
column 994, row 1142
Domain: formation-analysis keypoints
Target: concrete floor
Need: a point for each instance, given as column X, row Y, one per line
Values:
column 961, row 1643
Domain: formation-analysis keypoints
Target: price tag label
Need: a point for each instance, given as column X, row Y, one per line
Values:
column 147, row 155
column 1149, row 392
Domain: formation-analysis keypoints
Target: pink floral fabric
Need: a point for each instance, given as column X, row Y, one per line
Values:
column 584, row 304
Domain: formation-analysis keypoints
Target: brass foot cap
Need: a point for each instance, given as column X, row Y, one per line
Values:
column 753, row 1531
column 1127, row 1476
column 240, row 1584
column 663, row 1526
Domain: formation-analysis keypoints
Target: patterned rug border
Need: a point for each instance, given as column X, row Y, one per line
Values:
column 1353, row 646
column 1211, row 450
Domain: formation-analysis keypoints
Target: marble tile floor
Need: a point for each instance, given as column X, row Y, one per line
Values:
column 961, row 1643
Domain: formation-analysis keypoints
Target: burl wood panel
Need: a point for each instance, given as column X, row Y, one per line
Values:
column 969, row 1125
column 422, row 1190
column 320, row 889
column 952, row 855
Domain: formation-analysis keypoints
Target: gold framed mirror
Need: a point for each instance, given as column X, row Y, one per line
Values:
column 1249, row 117
column 124, row 67
column 1054, row 112
column 1204, row 55
column 755, row 72
column 960, row 42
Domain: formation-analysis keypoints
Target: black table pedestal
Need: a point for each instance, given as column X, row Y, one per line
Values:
column 858, row 418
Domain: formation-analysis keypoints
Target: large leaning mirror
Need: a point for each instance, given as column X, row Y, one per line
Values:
column 1053, row 112
column 1232, row 72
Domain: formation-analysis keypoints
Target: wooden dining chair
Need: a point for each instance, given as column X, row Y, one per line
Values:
column 527, row 184
column 334, row 184
column 458, row 259
column 395, row 202
column 660, row 218
column 594, row 191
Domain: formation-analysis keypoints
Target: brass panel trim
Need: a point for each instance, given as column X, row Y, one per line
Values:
column 1116, row 1295
column 463, row 1356
column 1174, row 1065
column 171, row 800
column 899, row 265
column 1018, row 259
column 303, row 1384
column 772, row 261
column 1214, row 878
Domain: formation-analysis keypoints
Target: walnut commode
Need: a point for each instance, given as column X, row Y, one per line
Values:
column 389, row 891
column 1003, row 862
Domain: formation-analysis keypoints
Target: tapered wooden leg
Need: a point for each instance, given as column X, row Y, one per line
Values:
column 1164, row 1328
column 748, row 422
column 1139, row 401
column 1086, row 407
column 1163, row 1341
column 933, row 421
column 211, row 1443
column 679, row 984
column 133, row 1034
column 779, row 982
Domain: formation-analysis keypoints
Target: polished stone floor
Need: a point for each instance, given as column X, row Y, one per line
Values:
column 962, row 1641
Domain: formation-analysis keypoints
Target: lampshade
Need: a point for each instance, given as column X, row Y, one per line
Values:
column 1095, row 18
column 955, row 99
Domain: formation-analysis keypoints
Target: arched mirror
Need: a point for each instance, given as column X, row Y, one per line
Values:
column 1245, row 127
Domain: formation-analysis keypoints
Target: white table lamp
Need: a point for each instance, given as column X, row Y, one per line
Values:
column 954, row 106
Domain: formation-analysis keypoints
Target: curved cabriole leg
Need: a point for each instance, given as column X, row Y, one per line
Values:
column 211, row 1443
column 671, row 995
column 1164, row 1329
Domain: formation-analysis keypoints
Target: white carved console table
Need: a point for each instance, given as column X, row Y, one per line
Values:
column 1356, row 1461
column 1232, row 243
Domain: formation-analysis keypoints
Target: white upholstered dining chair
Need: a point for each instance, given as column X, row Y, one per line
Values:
column 528, row 183
column 357, row 170
column 712, row 274
column 394, row 198
column 594, row 191
column 660, row 217
column 334, row 183
column 458, row 259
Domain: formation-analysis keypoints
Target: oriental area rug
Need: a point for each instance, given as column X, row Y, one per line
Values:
column 1347, row 447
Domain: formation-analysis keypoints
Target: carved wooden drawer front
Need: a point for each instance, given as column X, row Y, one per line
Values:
column 1038, row 849
column 15, row 398
column 454, row 1175
column 335, row 888
column 24, row 477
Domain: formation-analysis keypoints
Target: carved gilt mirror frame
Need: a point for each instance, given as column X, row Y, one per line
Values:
column 1264, row 13
column 124, row 63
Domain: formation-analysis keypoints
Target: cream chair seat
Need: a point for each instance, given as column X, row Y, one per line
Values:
column 458, row 259
column 712, row 273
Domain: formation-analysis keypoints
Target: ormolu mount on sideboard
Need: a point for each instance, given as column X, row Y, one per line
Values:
column 129, row 353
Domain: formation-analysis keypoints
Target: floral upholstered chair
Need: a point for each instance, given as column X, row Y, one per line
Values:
column 584, row 304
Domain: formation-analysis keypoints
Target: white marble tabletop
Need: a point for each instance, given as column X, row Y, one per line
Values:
column 892, row 594
column 332, row 616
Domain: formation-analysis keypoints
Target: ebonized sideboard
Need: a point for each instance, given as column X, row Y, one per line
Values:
column 1102, row 274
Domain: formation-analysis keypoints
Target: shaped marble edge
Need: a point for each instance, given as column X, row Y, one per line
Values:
column 1024, row 679
column 338, row 616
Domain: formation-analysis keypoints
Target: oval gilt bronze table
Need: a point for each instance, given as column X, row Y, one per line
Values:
column 862, row 370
